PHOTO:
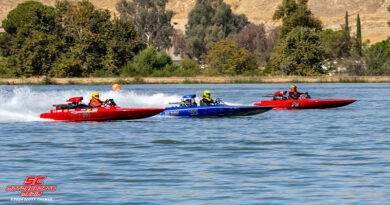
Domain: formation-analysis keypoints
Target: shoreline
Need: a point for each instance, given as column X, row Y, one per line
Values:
column 193, row 80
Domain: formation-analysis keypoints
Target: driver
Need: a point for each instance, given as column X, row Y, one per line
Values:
column 206, row 99
column 294, row 94
column 95, row 101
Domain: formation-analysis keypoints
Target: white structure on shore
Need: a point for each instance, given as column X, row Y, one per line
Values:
column 1, row 28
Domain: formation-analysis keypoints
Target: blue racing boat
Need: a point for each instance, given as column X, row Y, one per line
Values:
column 189, row 108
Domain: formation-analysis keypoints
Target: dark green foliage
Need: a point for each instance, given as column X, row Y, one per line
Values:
column 300, row 53
column 189, row 64
column 347, row 45
column 295, row 13
column 150, row 62
column 226, row 58
column 4, row 70
column 150, row 19
column 335, row 44
column 377, row 58
column 208, row 22
column 346, row 26
column 358, row 44
column 30, row 16
column 73, row 39
column 123, row 43
column 31, row 41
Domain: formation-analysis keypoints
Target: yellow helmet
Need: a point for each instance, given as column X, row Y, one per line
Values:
column 95, row 95
column 207, row 93
column 293, row 87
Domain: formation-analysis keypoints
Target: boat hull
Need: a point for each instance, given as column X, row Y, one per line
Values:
column 99, row 114
column 305, row 103
column 215, row 111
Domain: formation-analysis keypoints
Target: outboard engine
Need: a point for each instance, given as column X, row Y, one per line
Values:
column 73, row 103
column 110, row 103
column 187, row 101
column 280, row 95
column 306, row 96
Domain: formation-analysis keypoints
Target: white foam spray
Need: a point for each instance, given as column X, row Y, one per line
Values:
column 26, row 104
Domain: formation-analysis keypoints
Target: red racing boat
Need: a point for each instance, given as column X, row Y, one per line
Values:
column 280, row 101
column 76, row 111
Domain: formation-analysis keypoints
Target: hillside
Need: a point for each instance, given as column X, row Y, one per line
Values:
column 373, row 13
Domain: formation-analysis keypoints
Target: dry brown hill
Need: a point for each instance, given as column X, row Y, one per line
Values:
column 373, row 13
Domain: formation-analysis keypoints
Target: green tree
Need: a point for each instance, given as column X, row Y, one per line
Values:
column 295, row 14
column 208, row 22
column 334, row 43
column 84, row 27
column 95, row 42
column 31, row 39
column 30, row 16
column 123, row 43
column 377, row 58
column 346, row 36
column 225, row 58
column 151, row 19
column 346, row 26
column 147, row 62
column 359, row 43
column 300, row 53
column 72, row 39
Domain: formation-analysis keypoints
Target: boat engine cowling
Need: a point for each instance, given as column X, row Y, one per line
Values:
column 73, row 103
column 188, row 101
column 280, row 95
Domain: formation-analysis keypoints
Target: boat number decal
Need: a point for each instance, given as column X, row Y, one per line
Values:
column 174, row 113
column 85, row 114
column 193, row 112
column 295, row 104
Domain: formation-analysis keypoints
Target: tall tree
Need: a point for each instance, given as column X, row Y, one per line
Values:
column 300, row 53
column 208, row 22
column 83, row 28
column 295, row 14
column 346, row 26
column 151, row 19
column 358, row 44
column 346, row 36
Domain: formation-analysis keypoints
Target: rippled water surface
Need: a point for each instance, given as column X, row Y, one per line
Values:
column 332, row 156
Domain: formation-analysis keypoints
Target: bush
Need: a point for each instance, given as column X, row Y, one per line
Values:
column 225, row 58
column 149, row 62
column 190, row 65
column 5, row 72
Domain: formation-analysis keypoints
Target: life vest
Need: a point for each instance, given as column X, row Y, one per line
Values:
column 95, row 102
column 293, row 94
column 206, row 100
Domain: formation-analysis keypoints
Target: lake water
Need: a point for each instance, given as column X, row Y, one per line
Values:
column 331, row 156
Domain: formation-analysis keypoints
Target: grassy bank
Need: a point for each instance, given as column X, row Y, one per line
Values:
column 194, row 80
